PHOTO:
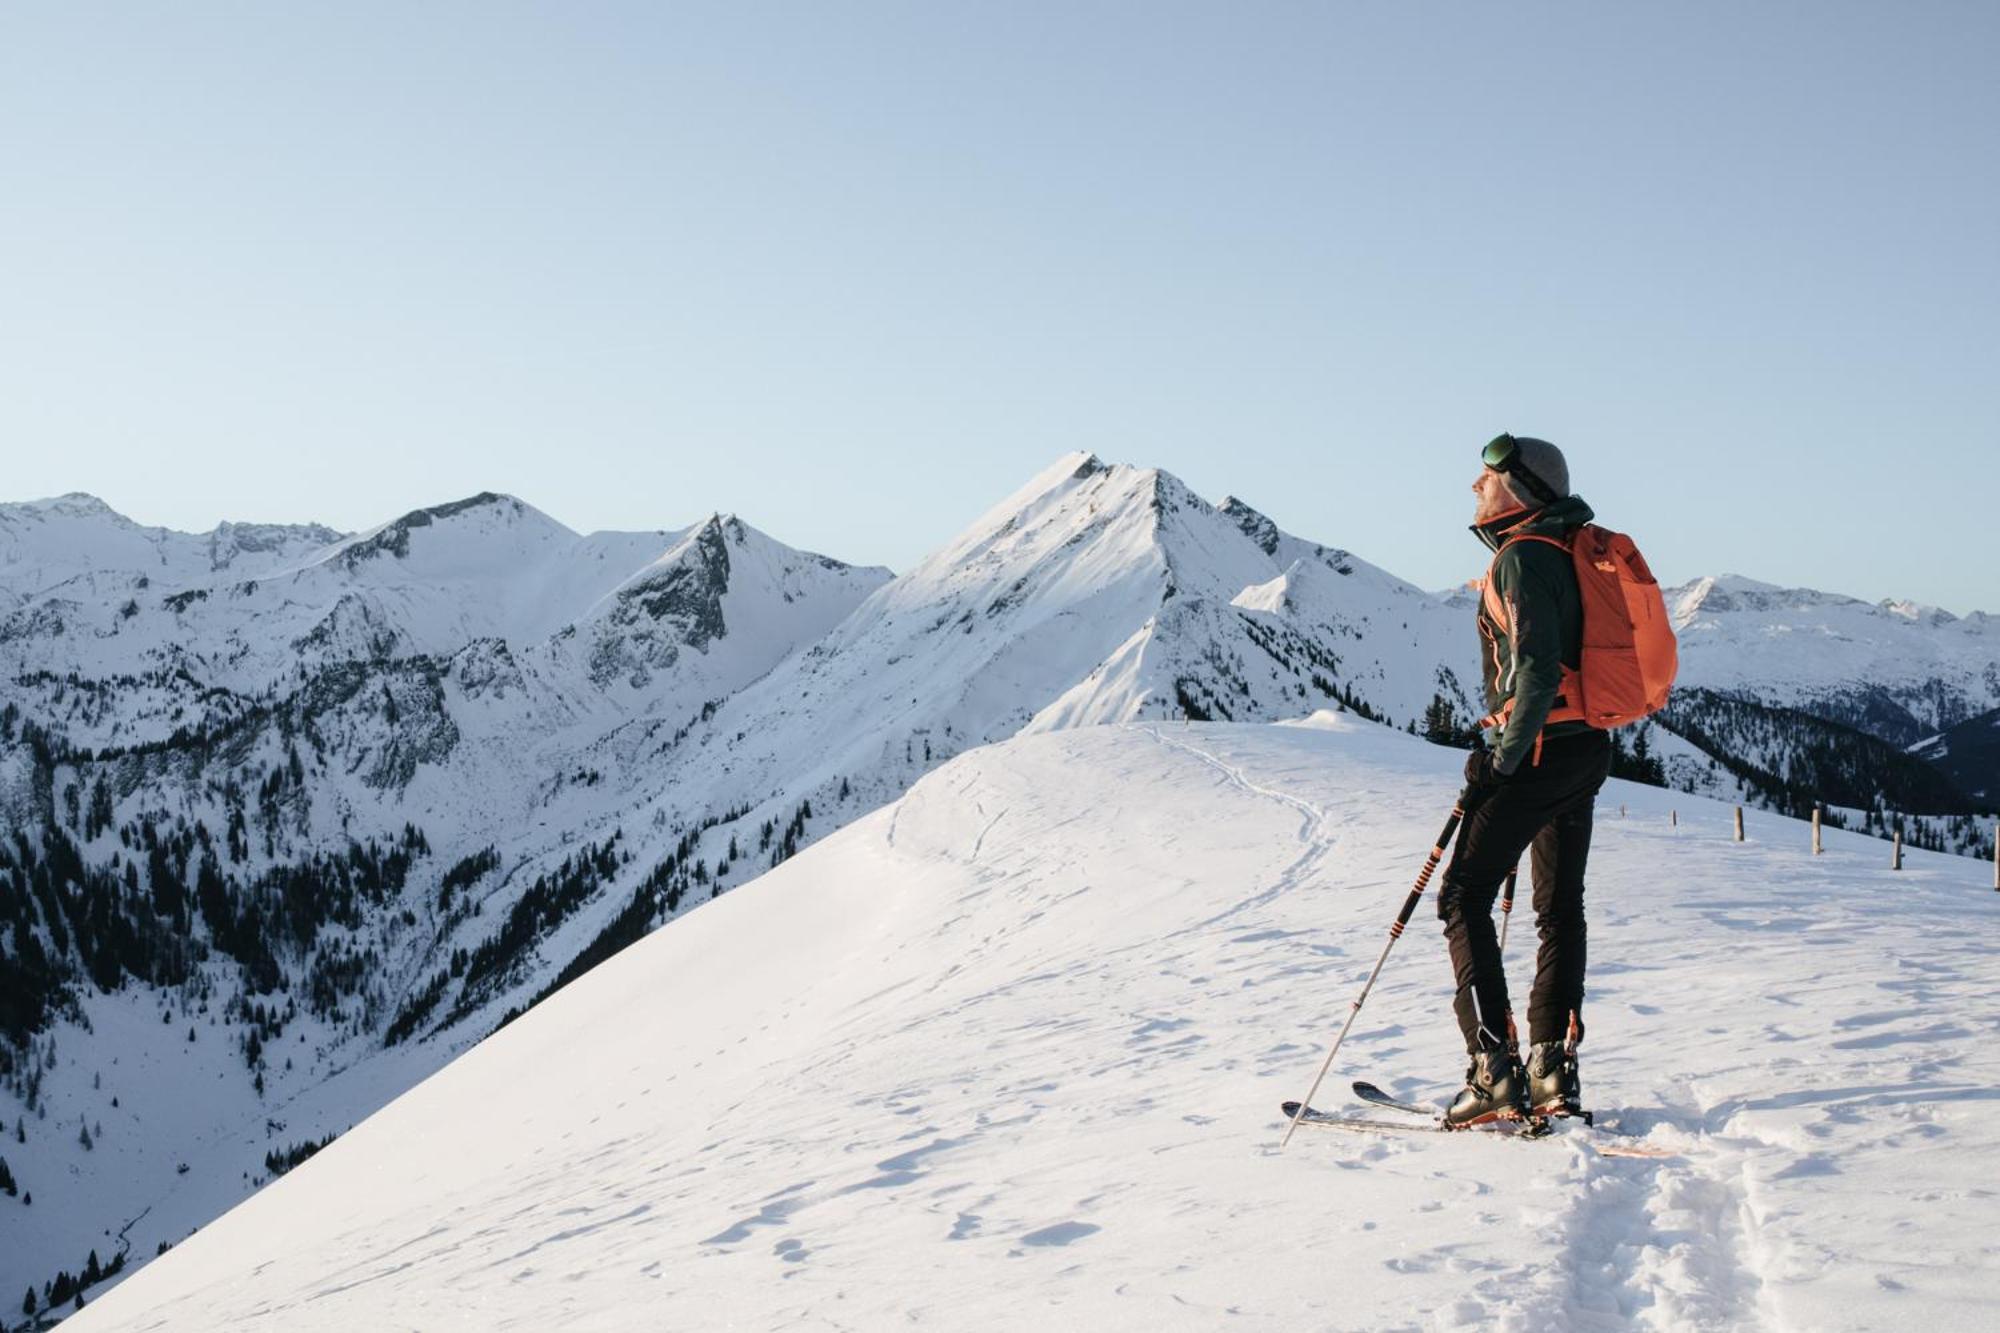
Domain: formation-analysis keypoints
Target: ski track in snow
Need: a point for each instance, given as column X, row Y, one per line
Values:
column 1023, row 1064
column 1316, row 843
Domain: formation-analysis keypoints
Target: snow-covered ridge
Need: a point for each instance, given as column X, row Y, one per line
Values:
column 1019, row 1039
column 429, row 582
column 1897, row 668
column 1733, row 592
column 45, row 544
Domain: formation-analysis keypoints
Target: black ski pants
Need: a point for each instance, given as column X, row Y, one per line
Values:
column 1547, row 806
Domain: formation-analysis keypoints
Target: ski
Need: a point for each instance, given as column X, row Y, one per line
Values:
column 1506, row 1129
column 1432, row 1125
column 1374, row 1096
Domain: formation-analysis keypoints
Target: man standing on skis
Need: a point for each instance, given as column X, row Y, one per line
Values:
column 1534, row 785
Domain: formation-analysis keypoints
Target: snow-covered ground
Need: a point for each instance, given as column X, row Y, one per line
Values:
column 1010, row 1050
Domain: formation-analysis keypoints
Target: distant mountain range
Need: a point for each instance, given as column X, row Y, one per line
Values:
column 294, row 816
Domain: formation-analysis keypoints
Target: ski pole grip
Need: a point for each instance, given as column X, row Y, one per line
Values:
column 1424, row 876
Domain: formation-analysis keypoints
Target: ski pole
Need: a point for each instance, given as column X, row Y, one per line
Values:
column 1506, row 914
column 1395, row 933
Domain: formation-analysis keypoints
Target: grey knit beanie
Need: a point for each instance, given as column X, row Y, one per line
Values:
column 1546, row 462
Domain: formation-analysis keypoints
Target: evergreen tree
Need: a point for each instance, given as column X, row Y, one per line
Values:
column 1440, row 725
column 28, row 1303
column 1637, row 763
column 101, row 817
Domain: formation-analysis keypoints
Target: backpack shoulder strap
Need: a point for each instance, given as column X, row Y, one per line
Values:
column 1534, row 537
column 1489, row 595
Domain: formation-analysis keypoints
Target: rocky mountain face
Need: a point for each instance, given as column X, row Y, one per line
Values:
column 294, row 817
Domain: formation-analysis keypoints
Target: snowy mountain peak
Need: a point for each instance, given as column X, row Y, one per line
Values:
column 1098, row 592
column 1281, row 595
column 1170, row 495
column 231, row 542
column 1085, row 465
column 479, row 517
column 1917, row 612
column 722, row 579
column 1733, row 592
column 685, row 585
column 72, row 504
column 1084, row 527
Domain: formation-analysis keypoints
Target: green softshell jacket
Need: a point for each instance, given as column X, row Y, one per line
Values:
column 1523, row 656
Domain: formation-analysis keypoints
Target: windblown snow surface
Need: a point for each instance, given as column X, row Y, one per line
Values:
column 1009, row 1052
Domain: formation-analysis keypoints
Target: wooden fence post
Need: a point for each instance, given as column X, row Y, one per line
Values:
column 1817, row 848
column 1739, row 823
column 1674, row 817
column 1896, row 857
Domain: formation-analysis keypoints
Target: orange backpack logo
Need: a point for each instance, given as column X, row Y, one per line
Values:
column 1629, row 654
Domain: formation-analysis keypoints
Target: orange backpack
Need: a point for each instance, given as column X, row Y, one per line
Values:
column 1629, row 654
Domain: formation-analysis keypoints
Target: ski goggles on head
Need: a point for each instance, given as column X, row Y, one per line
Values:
column 1503, row 455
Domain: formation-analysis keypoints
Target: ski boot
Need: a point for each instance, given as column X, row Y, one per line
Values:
column 1554, row 1089
column 1495, row 1089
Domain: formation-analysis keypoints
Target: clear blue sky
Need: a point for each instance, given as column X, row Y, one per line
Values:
column 856, row 270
